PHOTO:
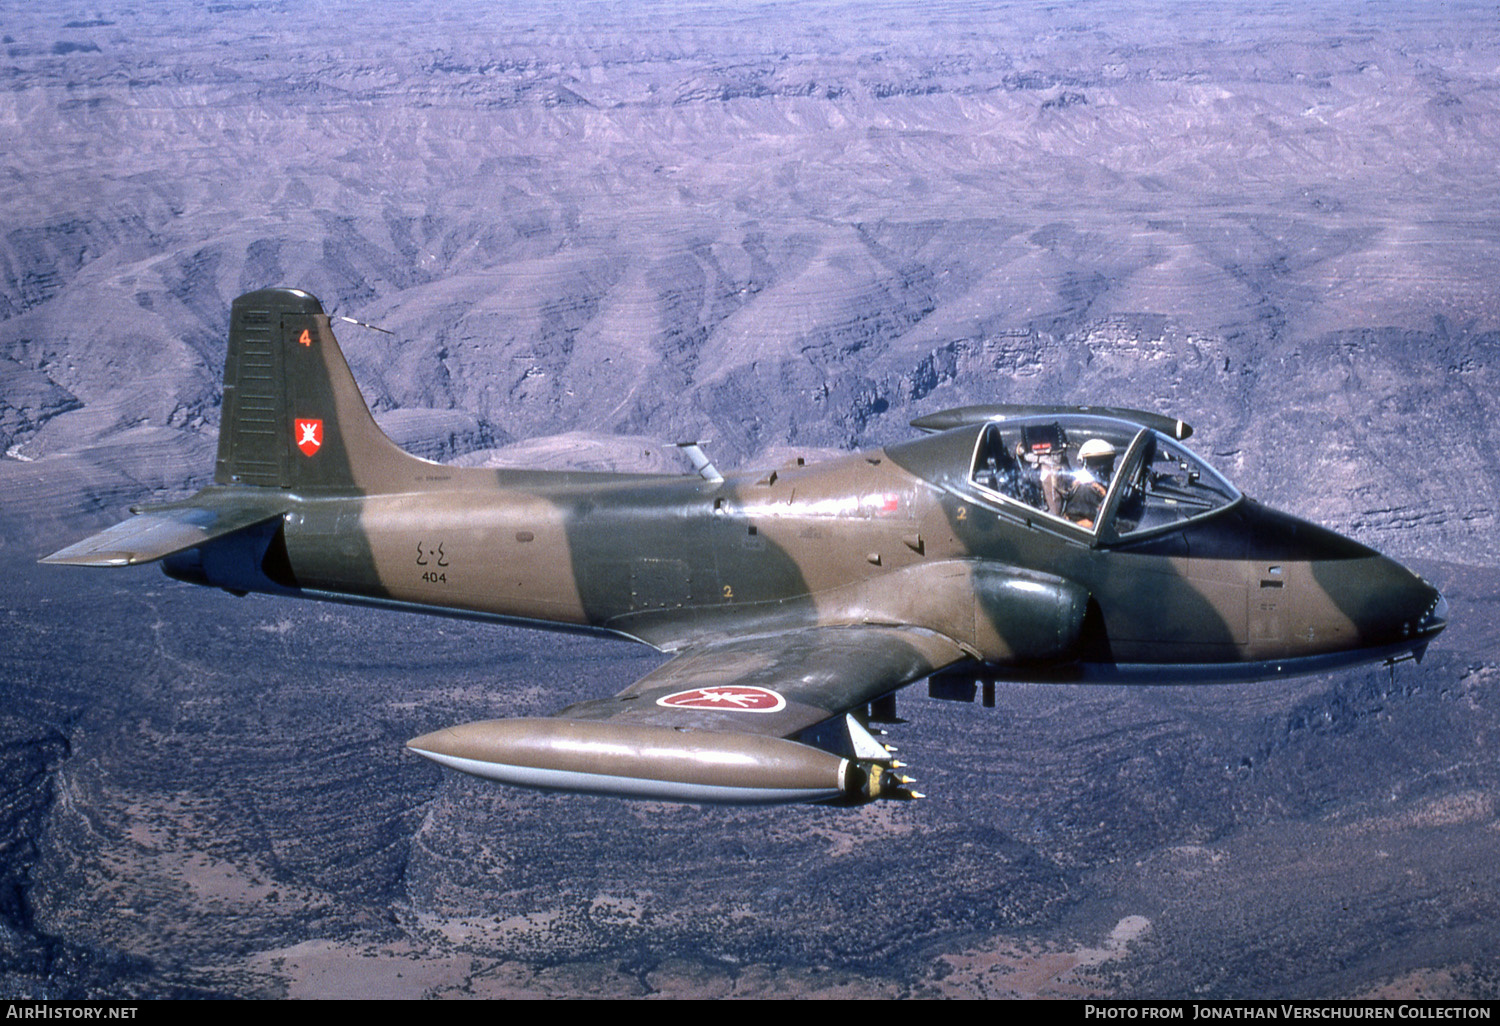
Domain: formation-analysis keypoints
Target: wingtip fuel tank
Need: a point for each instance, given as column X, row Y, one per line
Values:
column 663, row 763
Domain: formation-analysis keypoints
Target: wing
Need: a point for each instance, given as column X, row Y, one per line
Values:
column 714, row 723
column 778, row 684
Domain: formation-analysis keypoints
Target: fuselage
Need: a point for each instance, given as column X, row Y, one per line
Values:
column 910, row 534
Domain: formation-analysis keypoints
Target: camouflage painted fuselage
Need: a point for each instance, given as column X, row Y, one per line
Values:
column 894, row 536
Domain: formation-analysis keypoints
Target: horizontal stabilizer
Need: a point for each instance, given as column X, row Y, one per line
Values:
column 152, row 535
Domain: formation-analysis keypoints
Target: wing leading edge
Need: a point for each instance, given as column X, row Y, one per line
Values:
column 716, row 724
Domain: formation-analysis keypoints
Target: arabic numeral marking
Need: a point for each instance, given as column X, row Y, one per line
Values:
column 427, row 555
column 728, row 592
column 435, row 578
column 963, row 513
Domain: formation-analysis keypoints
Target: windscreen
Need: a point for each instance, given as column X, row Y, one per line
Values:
column 1165, row 485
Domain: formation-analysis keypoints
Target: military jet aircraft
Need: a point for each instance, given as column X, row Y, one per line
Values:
column 1003, row 543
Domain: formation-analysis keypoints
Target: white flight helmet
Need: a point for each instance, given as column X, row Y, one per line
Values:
column 1096, row 449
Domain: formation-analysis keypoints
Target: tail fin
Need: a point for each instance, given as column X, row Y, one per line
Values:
column 293, row 417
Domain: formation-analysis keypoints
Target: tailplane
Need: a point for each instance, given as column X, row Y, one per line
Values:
column 293, row 417
column 294, row 422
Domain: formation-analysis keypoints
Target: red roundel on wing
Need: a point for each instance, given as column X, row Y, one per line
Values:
column 734, row 697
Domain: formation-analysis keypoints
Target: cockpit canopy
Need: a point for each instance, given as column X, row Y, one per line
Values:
column 1109, row 478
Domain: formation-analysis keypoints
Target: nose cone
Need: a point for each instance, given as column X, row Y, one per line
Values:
column 1432, row 622
column 1385, row 603
column 1360, row 599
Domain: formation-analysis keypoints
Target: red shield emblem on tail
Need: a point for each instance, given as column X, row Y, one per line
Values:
column 309, row 436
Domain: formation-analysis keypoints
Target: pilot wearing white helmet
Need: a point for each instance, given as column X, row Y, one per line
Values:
column 1091, row 481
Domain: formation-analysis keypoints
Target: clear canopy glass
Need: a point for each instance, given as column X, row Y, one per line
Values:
column 1109, row 478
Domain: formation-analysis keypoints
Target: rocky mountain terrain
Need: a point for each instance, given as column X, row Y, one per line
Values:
column 597, row 229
